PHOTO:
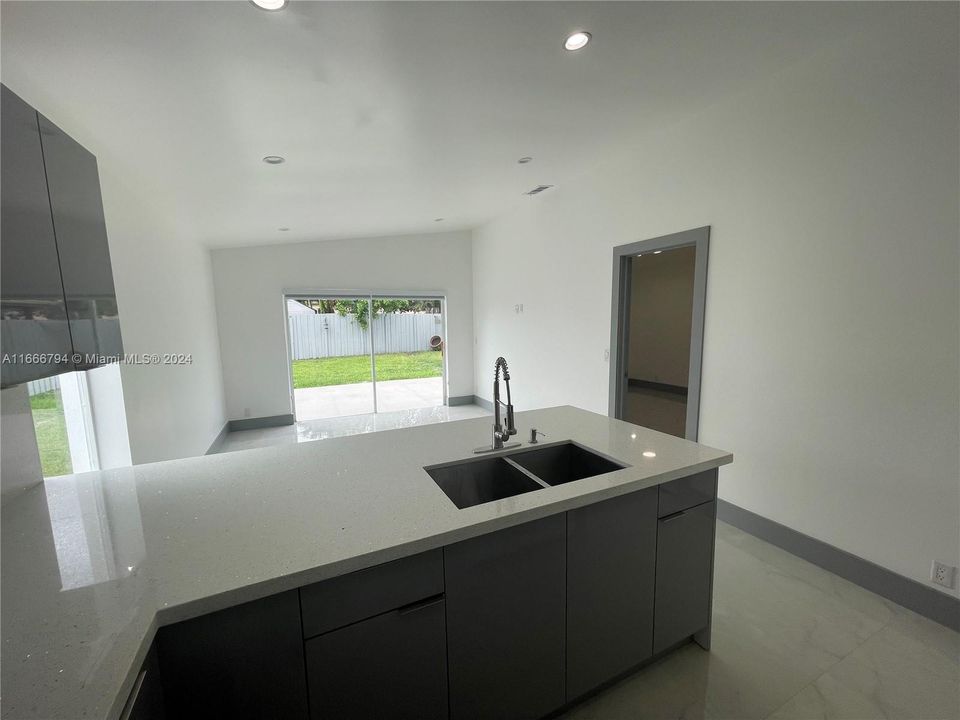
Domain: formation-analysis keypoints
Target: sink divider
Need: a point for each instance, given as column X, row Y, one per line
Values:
column 524, row 471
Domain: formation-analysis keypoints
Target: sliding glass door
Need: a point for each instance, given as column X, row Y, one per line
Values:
column 354, row 354
column 331, row 368
column 408, row 353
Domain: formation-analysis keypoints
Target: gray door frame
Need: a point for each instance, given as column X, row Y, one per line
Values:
column 620, row 318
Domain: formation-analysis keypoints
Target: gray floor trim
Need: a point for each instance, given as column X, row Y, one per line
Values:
column 482, row 402
column 927, row 601
column 460, row 400
column 218, row 440
column 261, row 422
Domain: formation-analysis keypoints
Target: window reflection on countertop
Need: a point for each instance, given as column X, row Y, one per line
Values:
column 98, row 536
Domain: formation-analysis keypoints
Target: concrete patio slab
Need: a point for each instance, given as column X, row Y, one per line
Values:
column 357, row 398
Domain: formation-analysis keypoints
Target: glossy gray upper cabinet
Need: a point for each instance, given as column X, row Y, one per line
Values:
column 81, row 233
column 611, row 564
column 33, row 312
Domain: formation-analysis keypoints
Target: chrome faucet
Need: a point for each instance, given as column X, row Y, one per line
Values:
column 501, row 431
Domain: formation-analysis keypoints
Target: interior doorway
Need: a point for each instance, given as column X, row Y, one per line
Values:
column 659, row 294
column 360, row 353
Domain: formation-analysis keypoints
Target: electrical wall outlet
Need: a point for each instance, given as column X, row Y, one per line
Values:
column 943, row 574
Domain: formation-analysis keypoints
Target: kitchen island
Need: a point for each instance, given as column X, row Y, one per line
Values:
column 347, row 532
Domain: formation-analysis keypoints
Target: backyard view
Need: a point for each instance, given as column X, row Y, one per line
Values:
column 331, row 340
column 320, row 372
column 48, row 420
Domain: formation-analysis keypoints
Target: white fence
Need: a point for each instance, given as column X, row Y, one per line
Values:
column 35, row 387
column 332, row 335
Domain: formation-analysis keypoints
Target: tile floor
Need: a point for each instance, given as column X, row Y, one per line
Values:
column 794, row 642
column 351, row 425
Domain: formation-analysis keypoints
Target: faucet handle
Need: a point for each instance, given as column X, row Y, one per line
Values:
column 533, row 435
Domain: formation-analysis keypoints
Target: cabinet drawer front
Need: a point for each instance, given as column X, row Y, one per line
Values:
column 331, row 604
column 390, row 666
column 686, row 492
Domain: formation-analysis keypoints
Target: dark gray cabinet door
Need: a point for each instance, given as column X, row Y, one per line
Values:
column 74, row 186
column 392, row 666
column 34, row 316
column 505, row 621
column 684, row 574
column 245, row 662
column 146, row 698
column 611, row 564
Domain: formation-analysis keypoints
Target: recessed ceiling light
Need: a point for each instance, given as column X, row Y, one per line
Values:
column 438, row 219
column 270, row 4
column 274, row 160
column 577, row 40
column 284, row 229
column 649, row 453
column 525, row 160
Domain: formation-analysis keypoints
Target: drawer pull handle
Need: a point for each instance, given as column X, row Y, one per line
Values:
column 672, row 516
column 420, row 605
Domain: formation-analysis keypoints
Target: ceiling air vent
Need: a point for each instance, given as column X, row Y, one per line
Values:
column 538, row 189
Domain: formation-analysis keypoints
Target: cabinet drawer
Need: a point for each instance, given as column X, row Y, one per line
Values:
column 392, row 666
column 686, row 492
column 331, row 604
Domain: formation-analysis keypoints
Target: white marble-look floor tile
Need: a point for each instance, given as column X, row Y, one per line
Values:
column 895, row 674
column 792, row 639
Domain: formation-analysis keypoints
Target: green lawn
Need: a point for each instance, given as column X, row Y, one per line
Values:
column 319, row 372
column 51, row 434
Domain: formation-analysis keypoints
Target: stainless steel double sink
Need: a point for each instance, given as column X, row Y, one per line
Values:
column 481, row 480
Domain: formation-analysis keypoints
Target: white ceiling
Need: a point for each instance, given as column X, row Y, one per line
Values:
column 389, row 114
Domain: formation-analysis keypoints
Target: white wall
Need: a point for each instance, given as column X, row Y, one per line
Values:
column 250, row 282
column 165, row 297
column 831, row 344
column 105, row 386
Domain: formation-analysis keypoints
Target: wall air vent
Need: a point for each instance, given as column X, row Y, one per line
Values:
column 538, row 189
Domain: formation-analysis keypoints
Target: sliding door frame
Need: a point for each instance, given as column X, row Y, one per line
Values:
column 369, row 296
column 623, row 255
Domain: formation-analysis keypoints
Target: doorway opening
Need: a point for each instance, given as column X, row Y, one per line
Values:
column 659, row 295
column 361, row 353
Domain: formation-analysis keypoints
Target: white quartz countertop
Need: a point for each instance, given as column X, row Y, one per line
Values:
column 93, row 563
